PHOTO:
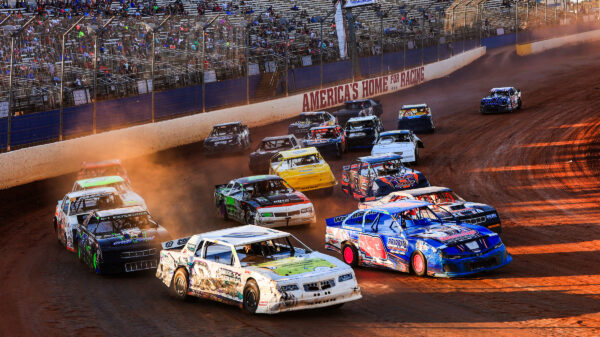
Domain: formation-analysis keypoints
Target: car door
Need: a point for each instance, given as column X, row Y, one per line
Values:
column 234, row 191
column 363, row 180
column 217, row 271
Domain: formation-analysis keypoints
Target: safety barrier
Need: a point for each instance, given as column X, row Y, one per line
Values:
column 54, row 159
column 540, row 46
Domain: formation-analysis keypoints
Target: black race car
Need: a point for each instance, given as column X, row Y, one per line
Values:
column 260, row 159
column 227, row 137
column 120, row 240
column 380, row 175
column 265, row 200
column 307, row 120
column 358, row 108
column 362, row 132
column 329, row 140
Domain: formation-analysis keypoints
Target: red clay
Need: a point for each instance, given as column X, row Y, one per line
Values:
column 538, row 166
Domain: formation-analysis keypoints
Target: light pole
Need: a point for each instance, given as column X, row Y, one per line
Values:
column 321, row 21
column 152, row 31
column 62, row 74
column 381, row 16
column 97, row 33
column 204, row 28
column 246, row 55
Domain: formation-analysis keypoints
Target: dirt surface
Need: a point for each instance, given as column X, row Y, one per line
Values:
column 538, row 166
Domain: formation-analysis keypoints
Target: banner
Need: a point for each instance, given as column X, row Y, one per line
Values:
column 339, row 26
column 354, row 3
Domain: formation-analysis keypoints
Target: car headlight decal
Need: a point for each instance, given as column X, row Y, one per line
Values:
column 288, row 287
column 345, row 277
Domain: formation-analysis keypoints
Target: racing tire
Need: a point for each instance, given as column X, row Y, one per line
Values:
column 416, row 157
column 180, row 283
column 95, row 265
column 338, row 152
column 519, row 105
column 350, row 255
column 248, row 218
column 251, row 297
column 418, row 264
column 222, row 211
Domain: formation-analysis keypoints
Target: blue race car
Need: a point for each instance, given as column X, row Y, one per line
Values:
column 329, row 140
column 416, row 118
column 504, row 99
column 408, row 236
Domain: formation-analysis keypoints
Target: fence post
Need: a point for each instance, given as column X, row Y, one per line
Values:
column 246, row 60
column 62, row 74
column 10, row 91
column 152, row 71
column 95, row 82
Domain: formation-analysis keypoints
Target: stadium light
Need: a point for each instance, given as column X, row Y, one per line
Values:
column 62, row 74
column 10, row 75
column 381, row 14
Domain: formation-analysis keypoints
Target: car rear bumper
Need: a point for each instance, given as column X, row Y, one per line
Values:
column 494, row 109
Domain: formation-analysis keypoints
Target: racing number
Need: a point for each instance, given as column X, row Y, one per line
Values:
column 372, row 246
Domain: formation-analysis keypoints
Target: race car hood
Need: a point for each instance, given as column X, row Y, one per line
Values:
column 280, row 199
column 219, row 138
column 445, row 234
column 302, row 126
column 131, row 198
column 313, row 264
column 494, row 100
column 393, row 148
column 133, row 237
column 465, row 209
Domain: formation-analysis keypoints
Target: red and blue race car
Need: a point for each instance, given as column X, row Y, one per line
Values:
column 408, row 236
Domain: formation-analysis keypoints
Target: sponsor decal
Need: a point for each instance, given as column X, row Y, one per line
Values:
column 132, row 241
column 398, row 245
column 372, row 246
column 244, row 234
column 296, row 265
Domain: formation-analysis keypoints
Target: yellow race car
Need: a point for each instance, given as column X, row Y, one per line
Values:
column 303, row 169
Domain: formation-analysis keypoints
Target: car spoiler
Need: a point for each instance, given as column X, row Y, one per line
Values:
column 174, row 244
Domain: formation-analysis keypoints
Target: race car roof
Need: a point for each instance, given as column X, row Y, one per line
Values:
column 312, row 113
column 92, row 191
column 501, row 89
column 104, row 163
column 400, row 206
column 121, row 211
column 361, row 119
column 394, row 132
column 266, row 139
column 380, row 157
column 426, row 190
column 99, row 181
column 324, row 127
column 230, row 123
column 414, row 106
column 254, row 179
column 243, row 235
column 298, row 152
column 357, row 100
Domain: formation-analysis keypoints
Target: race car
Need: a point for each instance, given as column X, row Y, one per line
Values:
column 304, row 169
column 377, row 176
column 102, row 169
column 329, row 140
column 446, row 204
column 416, row 118
column 119, row 240
column 76, row 206
column 358, row 108
column 265, row 200
column 130, row 198
column 259, row 159
column 407, row 236
column 401, row 142
column 503, row 99
column 362, row 132
column 261, row 270
column 227, row 137
column 308, row 120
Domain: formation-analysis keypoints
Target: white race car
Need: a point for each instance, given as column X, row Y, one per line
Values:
column 402, row 142
column 76, row 206
column 130, row 198
column 262, row 270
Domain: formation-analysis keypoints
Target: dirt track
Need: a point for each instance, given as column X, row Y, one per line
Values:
column 538, row 166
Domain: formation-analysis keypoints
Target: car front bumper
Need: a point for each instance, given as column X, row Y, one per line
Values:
column 492, row 260
column 312, row 300
column 287, row 220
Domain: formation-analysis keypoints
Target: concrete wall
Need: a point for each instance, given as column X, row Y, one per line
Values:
column 54, row 159
column 540, row 46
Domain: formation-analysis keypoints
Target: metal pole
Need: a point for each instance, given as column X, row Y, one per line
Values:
column 10, row 77
column 321, row 54
column 404, row 47
column 95, row 82
column 247, row 60
column 516, row 22
column 62, row 74
column 545, row 11
column 381, row 45
column 203, row 72
column 287, row 79
column 152, row 72
column 423, row 39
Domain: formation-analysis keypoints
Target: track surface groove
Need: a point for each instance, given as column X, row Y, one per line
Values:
column 538, row 166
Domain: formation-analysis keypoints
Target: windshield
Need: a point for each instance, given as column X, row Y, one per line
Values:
column 270, row 250
column 387, row 168
column 87, row 204
column 355, row 105
column 358, row 125
column 445, row 197
column 119, row 223
column 310, row 119
column 414, row 112
column 224, row 130
column 499, row 93
column 103, row 171
column 396, row 138
column 269, row 187
column 324, row 134
column 417, row 217
column 275, row 144
column 310, row 159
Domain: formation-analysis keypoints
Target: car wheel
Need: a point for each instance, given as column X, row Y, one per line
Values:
column 350, row 255
column 222, row 210
column 179, row 285
column 249, row 217
column 418, row 264
column 338, row 152
column 251, row 297
column 416, row 156
column 520, row 104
